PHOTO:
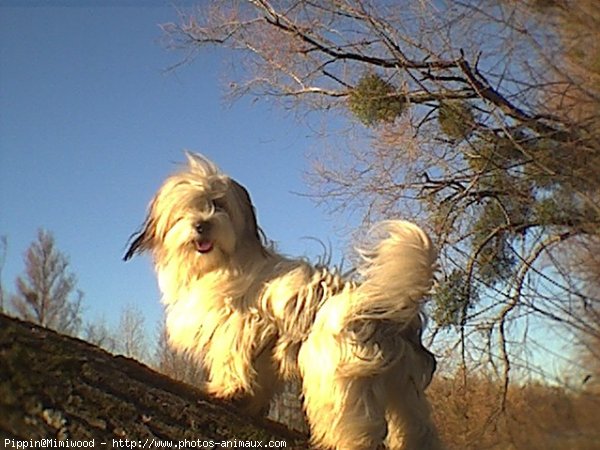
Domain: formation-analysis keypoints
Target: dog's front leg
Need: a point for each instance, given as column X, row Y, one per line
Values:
column 238, row 359
column 266, row 384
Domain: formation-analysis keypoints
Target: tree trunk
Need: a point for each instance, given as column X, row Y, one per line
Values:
column 60, row 388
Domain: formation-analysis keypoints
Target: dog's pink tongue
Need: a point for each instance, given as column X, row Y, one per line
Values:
column 204, row 246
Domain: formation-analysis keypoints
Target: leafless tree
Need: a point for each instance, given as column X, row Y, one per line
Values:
column 130, row 336
column 478, row 119
column 100, row 334
column 47, row 292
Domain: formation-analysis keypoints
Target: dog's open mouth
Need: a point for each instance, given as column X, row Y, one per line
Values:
column 204, row 246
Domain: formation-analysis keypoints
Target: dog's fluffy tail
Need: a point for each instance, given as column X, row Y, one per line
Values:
column 396, row 274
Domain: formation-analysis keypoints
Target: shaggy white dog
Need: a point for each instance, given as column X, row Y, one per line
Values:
column 255, row 318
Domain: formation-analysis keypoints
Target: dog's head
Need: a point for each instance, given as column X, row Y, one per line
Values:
column 199, row 220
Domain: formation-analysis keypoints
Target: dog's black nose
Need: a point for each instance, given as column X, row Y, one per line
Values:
column 202, row 227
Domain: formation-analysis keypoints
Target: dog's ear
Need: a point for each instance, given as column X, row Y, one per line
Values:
column 142, row 240
column 253, row 231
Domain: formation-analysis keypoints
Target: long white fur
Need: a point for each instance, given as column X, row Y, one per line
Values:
column 256, row 319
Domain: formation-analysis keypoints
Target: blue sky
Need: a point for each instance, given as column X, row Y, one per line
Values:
column 91, row 123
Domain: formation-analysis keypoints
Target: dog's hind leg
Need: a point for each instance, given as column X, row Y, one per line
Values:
column 344, row 409
column 409, row 415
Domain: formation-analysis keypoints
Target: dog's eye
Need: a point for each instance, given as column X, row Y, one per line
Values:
column 218, row 205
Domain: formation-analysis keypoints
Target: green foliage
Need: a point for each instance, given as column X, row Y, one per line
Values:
column 491, row 242
column 564, row 208
column 492, row 152
column 496, row 260
column 564, row 165
column 374, row 100
column 548, row 158
column 525, row 182
column 505, row 207
column 547, row 211
column 558, row 209
column 451, row 299
column 456, row 119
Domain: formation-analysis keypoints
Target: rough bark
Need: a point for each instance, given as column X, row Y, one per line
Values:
column 61, row 388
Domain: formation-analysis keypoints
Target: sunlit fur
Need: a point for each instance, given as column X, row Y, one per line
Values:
column 255, row 318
